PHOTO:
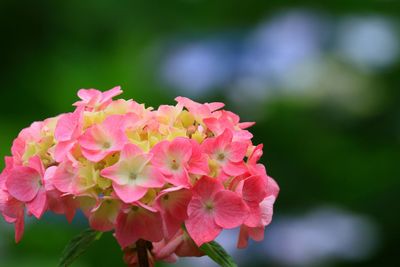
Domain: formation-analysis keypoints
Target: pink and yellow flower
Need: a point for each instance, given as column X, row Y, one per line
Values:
column 175, row 176
column 133, row 175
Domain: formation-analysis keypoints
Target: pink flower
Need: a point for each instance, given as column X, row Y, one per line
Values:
column 132, row 175
column 199, row 110
column 198, row 163
column 228, row 155
column 58, row 202
column 73, row 178
column 253, row 191
column 13, row 212
column 172, row 203
column 257, row 232
column 9, row 162
column 213, row 208
column 138, row 222
column 67, row 131
column 178, row 158
column 26, row 184
column 100, row 140
column 261, row 208
column 143, row 173
column 223, row 120
column 93, row 99
column 29, row 135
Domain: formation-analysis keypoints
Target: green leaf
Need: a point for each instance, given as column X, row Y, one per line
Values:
column 77, row 246
column 218, row 254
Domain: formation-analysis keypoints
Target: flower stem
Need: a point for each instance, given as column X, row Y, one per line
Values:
column 141, row 247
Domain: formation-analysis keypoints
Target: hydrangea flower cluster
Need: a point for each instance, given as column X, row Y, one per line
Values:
column 175, row 176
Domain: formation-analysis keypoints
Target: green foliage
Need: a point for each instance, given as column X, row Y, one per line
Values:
column 218, row 254
column 77, row 246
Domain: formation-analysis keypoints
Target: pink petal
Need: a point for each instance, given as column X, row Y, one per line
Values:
column 209, row 146
column 62, row 149
column 207, row 187
column 173, row 207
column 233, row 168
column 13, row 212
column 95, row 155
column 48, row 177
column 160, row 158
column 220, row 124
column 174, row 202
column 150, row 177
column 237, row 151
column 93, row 98
column 68, row 125
column 38, row 205
column 180, row 178
column 256, row 155
column 129, row 193
column 200, row 224
column 254, row 189
column 94, row 138
column 198, row 163
column 256, row 233
column 109, row 94
column 113, row 173
column 19, row 228
column 149, row 225
column 89, row 95
column 10, row 208
column 272, row 187
column 114, row 125
column 180, row 149
column 163, row 160
column 65, row 177
column 9, row 162
column 130, row 151
column 4, row 196
column 23, row 183
column 36, row 163
column 267, row 209
column 224, row 140
column 230, row 210
column 200, row 167
column 171, row 224
column 241, row 136
column 138, row 223
column 254, row 218
column 214, row 105
column 243, row 239
column 18, row 149
column 245, row 125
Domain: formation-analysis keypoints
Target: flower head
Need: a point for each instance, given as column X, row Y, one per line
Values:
column 175, row 176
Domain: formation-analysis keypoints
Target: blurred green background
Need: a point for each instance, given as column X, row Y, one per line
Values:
column 320, row 78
